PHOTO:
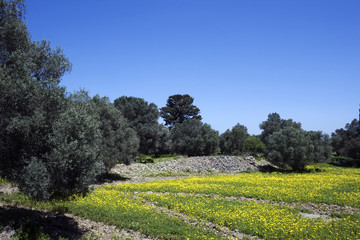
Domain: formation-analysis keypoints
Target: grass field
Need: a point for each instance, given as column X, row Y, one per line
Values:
column 322, row 203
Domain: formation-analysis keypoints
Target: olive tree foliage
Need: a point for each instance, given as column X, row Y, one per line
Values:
column 273, row 124
column 73, row 163
column 346, row 142
column 232, row 141
column 143, row 118
column 36, row 180
column 194, row 138
column 30, row 98
column 119, row 142
column 178, row 109
column 50, row 142
column 290, row 148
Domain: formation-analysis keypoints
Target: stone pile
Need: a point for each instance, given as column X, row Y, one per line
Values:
column 203, row 164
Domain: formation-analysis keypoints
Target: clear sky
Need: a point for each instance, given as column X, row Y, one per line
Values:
column 239, row 59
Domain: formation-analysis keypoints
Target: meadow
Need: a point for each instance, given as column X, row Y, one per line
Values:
column 321, row 203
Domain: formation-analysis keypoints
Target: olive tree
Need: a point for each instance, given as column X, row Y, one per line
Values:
column 290, row 148
column 275, row 123
column 30, row 96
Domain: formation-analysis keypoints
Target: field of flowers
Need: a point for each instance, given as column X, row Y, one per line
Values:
column 216, row 199
column 269, row 221
column 331, row 185
column 322, row 203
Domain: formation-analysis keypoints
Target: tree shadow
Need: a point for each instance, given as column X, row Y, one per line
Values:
column 110, row 177
column 269, row 169
column 346, row 162
column 52, row 224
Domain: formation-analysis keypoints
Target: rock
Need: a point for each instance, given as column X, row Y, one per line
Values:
column 7, row 233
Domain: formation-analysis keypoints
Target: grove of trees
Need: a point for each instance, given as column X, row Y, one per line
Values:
column 54, row 143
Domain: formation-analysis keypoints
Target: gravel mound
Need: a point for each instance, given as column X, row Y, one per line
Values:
column 191, row 165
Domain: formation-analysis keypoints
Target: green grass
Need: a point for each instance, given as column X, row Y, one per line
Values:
column 3, row 181
column 143, row 158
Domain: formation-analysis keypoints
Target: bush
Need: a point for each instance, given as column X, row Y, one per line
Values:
column 73, row 163
column 36, row 180
column 254, row 145
column 143, row 158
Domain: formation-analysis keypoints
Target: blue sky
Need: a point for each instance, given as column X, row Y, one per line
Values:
column 240, row 60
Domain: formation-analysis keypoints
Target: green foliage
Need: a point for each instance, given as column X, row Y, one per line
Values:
column 290, row 148
column 232, row 142
column 73, row 162
column 273, row 124
column 119, row 142
column 346, row 142
column 31, row 231
column 322, row 146
column 36, row 180
column 143, row 158
column 178, row 109
column 344, row 161
column 254, row 145
column 30, row 98
column 3, row 181
column 193, row 138
column 143, row 118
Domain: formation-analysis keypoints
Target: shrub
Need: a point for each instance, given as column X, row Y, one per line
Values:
column 36, row 180
column 73, row 163
column 143, row 158
column 254, row 145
